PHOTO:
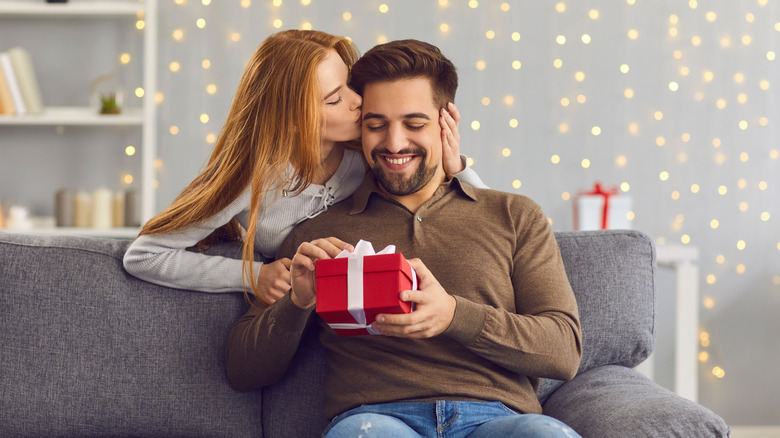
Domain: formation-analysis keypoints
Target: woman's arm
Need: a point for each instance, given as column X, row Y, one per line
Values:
column 163, row 258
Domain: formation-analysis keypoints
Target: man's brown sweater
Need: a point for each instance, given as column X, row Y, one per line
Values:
column 516, row 318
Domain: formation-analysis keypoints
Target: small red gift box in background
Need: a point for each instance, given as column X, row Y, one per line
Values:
column 601, row 209
column 356, row 287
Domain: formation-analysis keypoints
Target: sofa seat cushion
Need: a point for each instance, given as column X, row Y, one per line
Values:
column 615, row 401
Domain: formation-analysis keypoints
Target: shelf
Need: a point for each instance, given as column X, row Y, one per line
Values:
column 84, row 116
column 33, row 15
column 115, row 233
column 73, row 8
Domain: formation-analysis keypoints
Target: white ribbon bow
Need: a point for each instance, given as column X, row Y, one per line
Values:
column 355, row 284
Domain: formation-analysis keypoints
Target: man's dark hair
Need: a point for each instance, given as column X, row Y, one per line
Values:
column 407, row 59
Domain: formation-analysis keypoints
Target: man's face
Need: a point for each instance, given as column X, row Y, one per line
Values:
column 401, row 135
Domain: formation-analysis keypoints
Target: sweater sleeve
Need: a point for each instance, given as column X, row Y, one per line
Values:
column 261, row 345
column 469, row 175
column 542, row 337
column 163, row 259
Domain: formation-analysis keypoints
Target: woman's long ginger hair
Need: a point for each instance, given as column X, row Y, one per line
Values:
column 274, row 120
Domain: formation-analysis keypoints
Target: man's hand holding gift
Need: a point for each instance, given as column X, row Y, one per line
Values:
column 433, row 308
column 302, row 279
column 433, row 311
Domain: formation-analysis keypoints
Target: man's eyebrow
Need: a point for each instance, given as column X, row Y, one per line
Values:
column 367, row 116
column 332, row 92
column 373, row 116
column 417, row 116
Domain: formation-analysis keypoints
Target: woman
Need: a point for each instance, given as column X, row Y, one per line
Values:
column 281, row 158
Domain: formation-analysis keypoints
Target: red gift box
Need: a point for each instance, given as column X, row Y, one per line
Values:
column 350, row 301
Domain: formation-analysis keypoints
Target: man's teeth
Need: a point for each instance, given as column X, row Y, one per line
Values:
column 398, row 160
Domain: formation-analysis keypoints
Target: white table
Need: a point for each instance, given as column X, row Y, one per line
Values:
column 682, row 259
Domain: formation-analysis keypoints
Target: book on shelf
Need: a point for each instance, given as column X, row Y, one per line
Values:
column 13, row 85
column 25, row 78
column 6, row 100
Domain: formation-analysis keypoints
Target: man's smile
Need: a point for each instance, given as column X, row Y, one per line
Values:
column 396, row 162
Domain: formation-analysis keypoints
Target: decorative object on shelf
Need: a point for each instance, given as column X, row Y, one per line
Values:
column 118, row 209
column 82, row 210
column 101, row 208
column 106, row 94
column 19, row 218
column 64, row 212
column 132, row 208
column 601, row 209
column 56, row 1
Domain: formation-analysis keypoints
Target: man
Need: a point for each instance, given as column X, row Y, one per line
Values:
column 494, row 310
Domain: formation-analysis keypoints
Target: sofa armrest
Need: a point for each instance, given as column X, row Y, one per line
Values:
column 616, row 401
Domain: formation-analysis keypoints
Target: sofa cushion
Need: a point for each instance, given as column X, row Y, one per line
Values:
column 612, row 273
column 88, row 350
column 615, row 401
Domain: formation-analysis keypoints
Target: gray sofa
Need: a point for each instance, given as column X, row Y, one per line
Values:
column 88, row 350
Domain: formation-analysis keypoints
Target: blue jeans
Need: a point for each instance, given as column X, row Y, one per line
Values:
column 450, row 419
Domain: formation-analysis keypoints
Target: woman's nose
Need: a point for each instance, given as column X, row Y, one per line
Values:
column 357, row 101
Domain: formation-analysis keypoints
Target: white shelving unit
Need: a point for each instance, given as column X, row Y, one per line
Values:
column 145, row 118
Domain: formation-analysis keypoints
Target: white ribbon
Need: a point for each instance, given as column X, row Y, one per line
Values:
column 355, row 284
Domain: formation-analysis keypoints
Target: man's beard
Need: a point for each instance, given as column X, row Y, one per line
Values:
column 397, row 185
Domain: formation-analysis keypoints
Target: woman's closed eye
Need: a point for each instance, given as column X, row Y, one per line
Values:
column 335, row 102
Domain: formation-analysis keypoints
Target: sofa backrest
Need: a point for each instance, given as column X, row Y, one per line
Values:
column 88, row 350
column 612, row 274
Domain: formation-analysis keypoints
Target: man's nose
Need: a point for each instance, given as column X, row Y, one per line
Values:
column 396, row 139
